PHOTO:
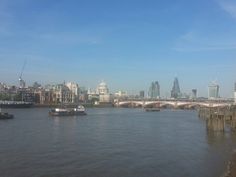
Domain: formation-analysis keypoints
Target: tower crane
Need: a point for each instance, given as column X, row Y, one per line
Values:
column 22, row 82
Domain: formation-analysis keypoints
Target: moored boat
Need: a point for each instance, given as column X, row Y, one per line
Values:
column 15, row 104
column 152, row 109
column 4, row 115
column 80, row 110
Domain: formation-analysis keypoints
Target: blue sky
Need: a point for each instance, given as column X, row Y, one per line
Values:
column 127, row 43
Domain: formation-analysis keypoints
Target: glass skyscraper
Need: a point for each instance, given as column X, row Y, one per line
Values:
column 235, row 93
column 194, row 94
column 175, row 92
column 141, row 94
column 154, row 90
column 213, row 91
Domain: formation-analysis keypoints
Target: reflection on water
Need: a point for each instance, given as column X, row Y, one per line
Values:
column 216, row 137
column 112, row 142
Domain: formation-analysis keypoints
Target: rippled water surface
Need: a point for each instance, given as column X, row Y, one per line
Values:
column 111, row 142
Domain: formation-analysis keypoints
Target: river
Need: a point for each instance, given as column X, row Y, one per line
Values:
column 112, row 142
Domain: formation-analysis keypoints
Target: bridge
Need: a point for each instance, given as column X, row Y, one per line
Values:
column 170, row 103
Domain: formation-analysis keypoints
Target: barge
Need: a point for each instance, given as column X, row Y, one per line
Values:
column 152, row 109
column 80, row 110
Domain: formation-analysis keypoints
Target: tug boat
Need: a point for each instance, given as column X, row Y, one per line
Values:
column 4, row 115
column 68, row 111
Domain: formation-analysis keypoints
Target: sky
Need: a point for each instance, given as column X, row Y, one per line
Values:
column 126, row 43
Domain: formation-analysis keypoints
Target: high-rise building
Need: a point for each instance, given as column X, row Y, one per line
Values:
column 175, row 92
column 141, row 94
column 213, row 91
column 154, row 90
column 235, row 92
column 194, row 94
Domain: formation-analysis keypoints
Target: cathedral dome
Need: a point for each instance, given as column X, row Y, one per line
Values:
column 102, row 84
column 102, row 88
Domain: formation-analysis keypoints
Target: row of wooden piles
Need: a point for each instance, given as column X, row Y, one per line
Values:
column 218, row 118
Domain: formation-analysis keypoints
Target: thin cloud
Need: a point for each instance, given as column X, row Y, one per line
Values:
column 192, row 42
column 228, row 6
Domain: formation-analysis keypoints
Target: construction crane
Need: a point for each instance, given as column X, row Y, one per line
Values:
column 22, row 82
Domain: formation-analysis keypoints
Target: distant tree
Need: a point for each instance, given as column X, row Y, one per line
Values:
column 36, row 85
column 5, row 97
column 17, row 97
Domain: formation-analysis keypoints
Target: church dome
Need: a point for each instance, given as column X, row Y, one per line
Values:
column 102, row 88
column 102, row 84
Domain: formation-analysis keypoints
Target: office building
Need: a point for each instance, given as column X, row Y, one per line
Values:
column 194, row 94
column 213, row 91
column 235, row 93
column 154, row 90
column 141, row 94
column 175, row 92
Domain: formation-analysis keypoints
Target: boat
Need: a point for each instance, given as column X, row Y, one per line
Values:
column 80, row 110
column 4, row 115
column 152, row 109
column 15, row 104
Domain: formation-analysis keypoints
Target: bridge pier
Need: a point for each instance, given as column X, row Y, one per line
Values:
column 216, row 118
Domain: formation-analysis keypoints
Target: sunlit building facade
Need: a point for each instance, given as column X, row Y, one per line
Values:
column 74, row 88
column 103, row 92
column 121, row 94
column 62, row 94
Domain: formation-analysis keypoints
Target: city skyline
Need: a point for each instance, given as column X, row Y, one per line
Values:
column 152, row 92
column 127, row 43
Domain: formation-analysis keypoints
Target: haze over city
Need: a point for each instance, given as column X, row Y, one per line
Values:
column 118, row 88
column 128, row 44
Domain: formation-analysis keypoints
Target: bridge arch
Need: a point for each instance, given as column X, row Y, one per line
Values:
column 130, row 104
column 152, row 104
column 167, row 105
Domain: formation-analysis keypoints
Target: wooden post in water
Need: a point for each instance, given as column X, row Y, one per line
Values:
column 215, row 124
column 216, row 118
column 233, row 119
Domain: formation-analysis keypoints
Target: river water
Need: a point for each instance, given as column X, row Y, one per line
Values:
column 112, row 142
